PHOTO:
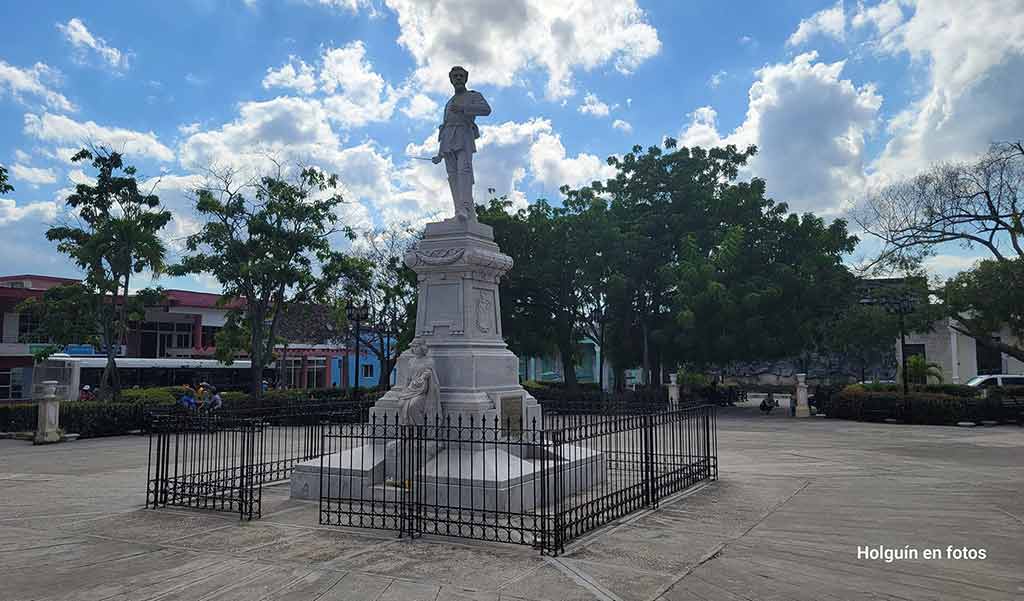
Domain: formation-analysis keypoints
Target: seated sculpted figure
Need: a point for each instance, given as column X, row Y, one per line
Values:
column 421, row 397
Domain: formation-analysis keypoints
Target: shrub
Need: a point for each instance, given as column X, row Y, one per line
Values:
column 960, row 390
column 99, row 418
column 152, row 396
column 941, row 405
column 18, row 418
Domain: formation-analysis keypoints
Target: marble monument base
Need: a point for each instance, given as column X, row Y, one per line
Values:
column 458, row 267
column 464, row 476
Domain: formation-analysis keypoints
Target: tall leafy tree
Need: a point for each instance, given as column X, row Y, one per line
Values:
column 986, row 298
column 308, row 323
column 543, row 286
column 268, row 243
column 595, row 253
column 116, row 235
column 977, row 204
column 76, row 314
column 389, row 291
column 662, row 204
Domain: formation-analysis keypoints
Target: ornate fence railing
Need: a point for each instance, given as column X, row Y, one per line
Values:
column 220, row 460
column 541, row 487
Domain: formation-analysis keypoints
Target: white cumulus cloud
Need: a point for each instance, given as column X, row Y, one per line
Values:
column 37, row 82
column 592, row 105
column 972, row 56
column 295, row 74
column 33, row 175
column 58, row 128
column 498, row 40
column 11, row 212
column 884, row 16
column 810, row 126
column 79, row 36
column 356, row 93
column 624, row 126
column 829, row 22
column 422, row 107
column 352, row 93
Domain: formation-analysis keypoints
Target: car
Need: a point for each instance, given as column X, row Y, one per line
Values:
column 995, row 380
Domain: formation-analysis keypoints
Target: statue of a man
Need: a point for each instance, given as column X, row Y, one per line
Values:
column 457, row 141
column 421, row 397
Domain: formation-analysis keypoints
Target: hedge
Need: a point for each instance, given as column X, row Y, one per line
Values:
column 958, row 390
column 862, row 402
column 99, row 418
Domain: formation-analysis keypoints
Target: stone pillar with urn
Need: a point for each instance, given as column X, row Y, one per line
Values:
column 802, row 407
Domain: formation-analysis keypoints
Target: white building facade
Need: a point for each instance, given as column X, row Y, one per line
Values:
column 960, row 356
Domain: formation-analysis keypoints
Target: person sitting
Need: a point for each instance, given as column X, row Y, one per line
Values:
column 86, row 394
column 188, row 398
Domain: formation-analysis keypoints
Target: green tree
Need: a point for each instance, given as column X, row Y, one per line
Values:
column 987, row 297
column 77, row 314
column 920, row 370
column 595, row 254
column 543, row 286
column 865, row 336
column 268, row 243
column 117, row 235
column 4, row 186
column 389, row 290
column 308, row 323
column 976, row 205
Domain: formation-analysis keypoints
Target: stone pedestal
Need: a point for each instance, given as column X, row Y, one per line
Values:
column 48, row 421
column 475, row 468
column 802, row 408
column 673, row 390
column 459, row 318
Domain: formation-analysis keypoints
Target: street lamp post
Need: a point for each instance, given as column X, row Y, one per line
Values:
column 901, row 306
column 385, row 371
column 357, row 314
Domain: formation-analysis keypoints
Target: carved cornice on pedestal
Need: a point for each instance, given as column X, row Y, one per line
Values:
column 435, row 257
column 483, row 263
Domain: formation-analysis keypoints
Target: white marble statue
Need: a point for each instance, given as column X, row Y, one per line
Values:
column 457, row 141
column 420, row 398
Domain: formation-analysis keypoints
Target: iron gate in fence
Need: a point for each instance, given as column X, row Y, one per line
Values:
column 542, row 486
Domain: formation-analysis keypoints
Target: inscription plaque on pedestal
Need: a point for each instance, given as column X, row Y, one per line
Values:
column 512, row 415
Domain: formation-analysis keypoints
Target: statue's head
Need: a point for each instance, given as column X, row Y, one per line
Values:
column 418, row 348
column 458, row 76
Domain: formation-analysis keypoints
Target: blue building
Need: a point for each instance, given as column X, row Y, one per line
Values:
column 343, row 369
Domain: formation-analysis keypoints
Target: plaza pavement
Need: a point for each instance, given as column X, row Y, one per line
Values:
column 795, row 500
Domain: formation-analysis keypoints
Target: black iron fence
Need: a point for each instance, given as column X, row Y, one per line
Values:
column 542, row 486
column 220, row 460
column 205, row 462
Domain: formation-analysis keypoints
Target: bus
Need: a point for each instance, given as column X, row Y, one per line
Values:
column 74, row 372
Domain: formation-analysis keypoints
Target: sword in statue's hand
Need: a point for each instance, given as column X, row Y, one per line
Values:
column 434, row 159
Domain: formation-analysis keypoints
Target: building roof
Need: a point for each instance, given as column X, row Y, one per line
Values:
column 48, row 279
column 200, row 300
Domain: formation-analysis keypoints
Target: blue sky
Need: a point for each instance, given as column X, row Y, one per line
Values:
column 839, row 97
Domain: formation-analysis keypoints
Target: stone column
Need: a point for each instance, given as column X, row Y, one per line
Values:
column 673, row 390
column 802, row 408
column 197, row 334
column 48, row 424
